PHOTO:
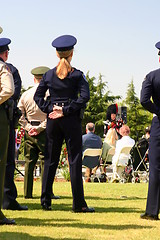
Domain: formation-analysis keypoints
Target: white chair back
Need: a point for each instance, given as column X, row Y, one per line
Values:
column 92, row 152
column 111, row 152
column 124, row 156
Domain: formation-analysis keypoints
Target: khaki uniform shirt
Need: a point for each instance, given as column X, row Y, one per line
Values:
column 6, row 82
column 30, row 111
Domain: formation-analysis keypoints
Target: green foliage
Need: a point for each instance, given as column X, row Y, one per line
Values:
column 66, row 174
column 100, row 99
column 137, row 117
column 63, row 163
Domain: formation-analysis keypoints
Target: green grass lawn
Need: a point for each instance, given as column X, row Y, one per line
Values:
column 118, row 208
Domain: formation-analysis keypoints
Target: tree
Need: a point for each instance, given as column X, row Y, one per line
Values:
column 100, row 99
column 137, row 117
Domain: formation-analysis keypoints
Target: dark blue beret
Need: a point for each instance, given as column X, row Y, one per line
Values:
column 64, row 42
column 157, row 45
column 4, row 42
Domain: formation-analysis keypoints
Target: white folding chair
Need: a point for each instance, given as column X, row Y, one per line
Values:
column 107, row 165
column 92, row 152
column 110, row 153
column 91, row 162
column 122, row 162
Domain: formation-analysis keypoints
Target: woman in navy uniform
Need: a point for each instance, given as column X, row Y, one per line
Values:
column 151, row 89
column 69, row 93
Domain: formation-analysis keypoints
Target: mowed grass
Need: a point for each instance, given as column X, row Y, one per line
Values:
column 118, row 208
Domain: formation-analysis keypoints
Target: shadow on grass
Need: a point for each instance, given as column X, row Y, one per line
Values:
column 25, row 236
column 89, row 197
column 133, row 198
column 68, row 207
column 117, row 210
column 55, row 207
column 35, row 197
column 73, row 223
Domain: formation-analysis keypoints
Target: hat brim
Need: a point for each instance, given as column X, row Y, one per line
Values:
column 64, row 43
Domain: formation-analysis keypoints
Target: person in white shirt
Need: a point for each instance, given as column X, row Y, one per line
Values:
column 123, row 142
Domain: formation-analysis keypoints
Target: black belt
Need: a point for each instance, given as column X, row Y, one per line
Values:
column 35, row 123
column 61, row 104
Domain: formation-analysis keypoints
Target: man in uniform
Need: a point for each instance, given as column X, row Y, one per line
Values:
column 6, row 91
column 10, row 191
column 150, row 90
column 33, row 120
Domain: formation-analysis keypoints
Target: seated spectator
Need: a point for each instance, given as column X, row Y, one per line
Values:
column 109, row 142
column 90, row 140
column 124, row 141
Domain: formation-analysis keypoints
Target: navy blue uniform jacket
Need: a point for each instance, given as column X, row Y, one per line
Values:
column 17, row 83
column 151, row 90
column 72, row 92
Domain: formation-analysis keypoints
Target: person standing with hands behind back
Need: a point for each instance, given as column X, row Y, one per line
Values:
column 6, row 91
column 69, row 92
column 33, row 121
column 151, row 90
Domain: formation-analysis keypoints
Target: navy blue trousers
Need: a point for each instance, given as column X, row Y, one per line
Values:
column 10, row 190
column 68, row 128
column 153, row 199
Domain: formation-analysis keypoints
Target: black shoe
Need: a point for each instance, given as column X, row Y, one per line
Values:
column 54, row 197
column 84, row 210
column 149, row 216
column 46, row 207
column 6, row 221
column 16, row 206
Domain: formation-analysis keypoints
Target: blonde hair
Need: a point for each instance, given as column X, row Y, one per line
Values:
column 111, row 137
column 64, row 66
